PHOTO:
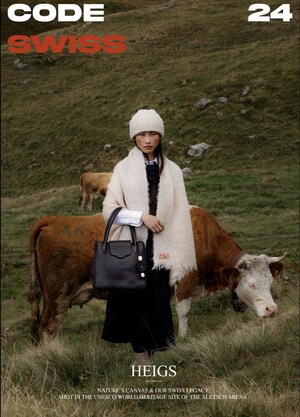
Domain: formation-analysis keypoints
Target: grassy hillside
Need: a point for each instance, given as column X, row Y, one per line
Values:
column 58, row 114
column 54, row 125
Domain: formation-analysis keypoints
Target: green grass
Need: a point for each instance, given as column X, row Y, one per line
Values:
column 72, row 118
column 241, row 357
column 55, row 125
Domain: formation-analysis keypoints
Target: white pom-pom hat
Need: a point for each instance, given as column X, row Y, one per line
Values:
column 146, row 121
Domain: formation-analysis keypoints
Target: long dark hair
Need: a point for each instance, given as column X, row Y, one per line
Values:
column 153, row 190
column 160, row 156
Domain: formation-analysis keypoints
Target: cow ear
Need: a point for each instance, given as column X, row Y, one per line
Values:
column 276, row 267
column 231, row 275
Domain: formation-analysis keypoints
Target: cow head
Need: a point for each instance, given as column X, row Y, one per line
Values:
column 252, row 278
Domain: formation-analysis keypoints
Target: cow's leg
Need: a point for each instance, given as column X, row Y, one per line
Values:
column 34, row 297
column 182, row 309
column 82, row 200
column 89, row 201
column 49, row 323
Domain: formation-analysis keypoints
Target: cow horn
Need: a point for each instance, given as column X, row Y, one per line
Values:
column 273, row 259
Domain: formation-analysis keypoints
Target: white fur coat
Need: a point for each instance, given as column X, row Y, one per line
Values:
column 174, row 246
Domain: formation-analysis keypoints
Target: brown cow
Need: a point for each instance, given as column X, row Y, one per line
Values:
column 61, row 250
column 92, row 185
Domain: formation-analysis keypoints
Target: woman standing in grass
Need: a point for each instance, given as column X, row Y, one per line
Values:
column 151, row 190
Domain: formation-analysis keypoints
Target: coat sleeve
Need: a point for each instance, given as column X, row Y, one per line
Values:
column 114, row 198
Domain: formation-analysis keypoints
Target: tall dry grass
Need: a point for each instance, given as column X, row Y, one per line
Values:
column 251, row 364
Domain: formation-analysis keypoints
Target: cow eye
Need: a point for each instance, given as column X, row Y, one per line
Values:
column 243, row 265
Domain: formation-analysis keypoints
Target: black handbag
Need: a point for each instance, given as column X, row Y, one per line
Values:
column 119, row 265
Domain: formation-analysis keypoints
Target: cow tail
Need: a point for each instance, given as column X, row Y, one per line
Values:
column 34, row 295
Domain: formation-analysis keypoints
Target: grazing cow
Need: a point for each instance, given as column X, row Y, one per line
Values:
column 92, row 185
column 61, row 249
column 222, row 263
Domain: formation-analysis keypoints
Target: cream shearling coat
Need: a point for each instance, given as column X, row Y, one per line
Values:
column 173, row 247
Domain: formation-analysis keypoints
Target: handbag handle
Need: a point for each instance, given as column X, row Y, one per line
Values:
column 108, row 226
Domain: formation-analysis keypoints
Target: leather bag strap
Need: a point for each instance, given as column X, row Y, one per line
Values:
column 108, row 227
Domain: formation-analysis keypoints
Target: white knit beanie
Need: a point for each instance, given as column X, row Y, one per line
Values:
column 146, row 121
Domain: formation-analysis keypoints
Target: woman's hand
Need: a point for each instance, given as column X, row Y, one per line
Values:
column 152, row 222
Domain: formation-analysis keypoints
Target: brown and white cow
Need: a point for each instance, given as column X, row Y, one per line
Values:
column 92, row 185
column 61, row 249
column 223, row 263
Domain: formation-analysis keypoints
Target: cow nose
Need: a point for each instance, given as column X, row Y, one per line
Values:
column 270, row 311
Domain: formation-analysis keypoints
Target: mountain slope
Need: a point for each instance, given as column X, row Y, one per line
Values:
column 60, row 110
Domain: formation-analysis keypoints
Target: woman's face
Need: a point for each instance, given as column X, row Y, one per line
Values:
column 147, row 142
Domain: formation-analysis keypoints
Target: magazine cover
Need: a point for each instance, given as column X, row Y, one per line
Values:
column 184, row 116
